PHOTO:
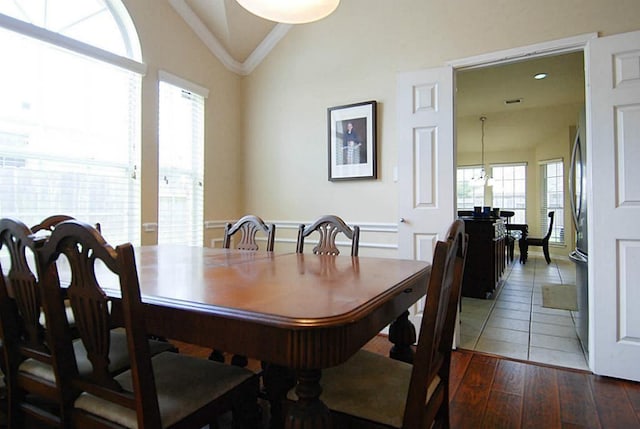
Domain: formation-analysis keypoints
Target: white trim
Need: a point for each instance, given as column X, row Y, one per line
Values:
column 205, row 35
column 265, row 47
column 183, row 83
column 551, row 161
column 391, row 228
column 70, row 44
column 569, row 44
column 218, row 50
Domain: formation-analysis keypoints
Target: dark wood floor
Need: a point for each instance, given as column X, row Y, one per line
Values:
column 494, row 392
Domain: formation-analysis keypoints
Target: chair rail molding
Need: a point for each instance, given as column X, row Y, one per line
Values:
column 371, row 227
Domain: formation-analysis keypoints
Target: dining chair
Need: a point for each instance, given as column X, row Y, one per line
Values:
column 32, row 390
column 511, row 240
column 168, row 390
column 544, row 241
column 328, row 227
column 371, row 390
column 248, row 226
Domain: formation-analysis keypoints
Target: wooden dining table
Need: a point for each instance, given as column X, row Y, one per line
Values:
column 302, row 312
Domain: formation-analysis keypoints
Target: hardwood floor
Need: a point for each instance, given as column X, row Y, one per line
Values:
column 494, row 392
column 489, row 391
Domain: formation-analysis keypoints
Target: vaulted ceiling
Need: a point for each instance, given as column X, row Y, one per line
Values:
column 241, row 40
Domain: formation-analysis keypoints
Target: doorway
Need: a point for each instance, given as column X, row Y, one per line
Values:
column 530, row 110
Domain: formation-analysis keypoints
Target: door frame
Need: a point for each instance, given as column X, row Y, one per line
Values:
column 514, row 55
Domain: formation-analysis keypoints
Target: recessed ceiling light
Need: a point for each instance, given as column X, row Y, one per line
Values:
column 540, row 76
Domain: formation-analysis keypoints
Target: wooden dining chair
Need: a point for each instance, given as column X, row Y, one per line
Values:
column 248, row 226
column 371, row 390
column 511, row 240
column 544, row 241
column 168, row 390
column 328, row 227
column 32, row 389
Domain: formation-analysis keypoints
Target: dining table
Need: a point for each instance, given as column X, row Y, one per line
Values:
column 295, row 312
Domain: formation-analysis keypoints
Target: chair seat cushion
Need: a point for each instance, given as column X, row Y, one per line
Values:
column 118, row 356
column 184, row 384
column 368, row 386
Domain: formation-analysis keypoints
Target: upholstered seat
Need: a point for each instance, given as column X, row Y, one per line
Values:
column 179, row 386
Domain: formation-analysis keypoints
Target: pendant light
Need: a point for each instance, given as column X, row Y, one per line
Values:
column 290, row 11
column 483, row 179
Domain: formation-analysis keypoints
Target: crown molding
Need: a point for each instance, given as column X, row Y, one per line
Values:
column 216, row 48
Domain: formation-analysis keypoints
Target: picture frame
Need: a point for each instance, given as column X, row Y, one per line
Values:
column 352, row 148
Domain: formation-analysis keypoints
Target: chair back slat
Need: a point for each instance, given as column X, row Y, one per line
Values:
column 328, row 227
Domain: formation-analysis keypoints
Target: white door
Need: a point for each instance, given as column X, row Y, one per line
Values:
column 613, row 148
column 425, row 163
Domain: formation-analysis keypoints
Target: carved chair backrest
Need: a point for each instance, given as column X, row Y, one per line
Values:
column 92, row 262
column 20, row 293
column 248, row 227
column 329, row 226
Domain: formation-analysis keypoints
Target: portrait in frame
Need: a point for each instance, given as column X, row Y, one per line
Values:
column 352, row 141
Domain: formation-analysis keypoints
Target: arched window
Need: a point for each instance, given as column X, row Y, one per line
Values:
column 70, row 114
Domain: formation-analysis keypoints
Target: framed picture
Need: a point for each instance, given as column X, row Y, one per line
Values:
column 352, row 141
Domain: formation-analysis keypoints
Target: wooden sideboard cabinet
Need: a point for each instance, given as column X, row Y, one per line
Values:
column 486, row 256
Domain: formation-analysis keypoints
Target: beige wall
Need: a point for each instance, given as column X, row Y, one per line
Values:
column 353, row 56
column 169, row 44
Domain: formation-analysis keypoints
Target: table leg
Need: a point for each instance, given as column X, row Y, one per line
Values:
column 308, row 412
column 402, row 334
column 277, row 382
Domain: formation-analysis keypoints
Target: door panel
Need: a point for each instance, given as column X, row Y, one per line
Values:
column 425, row 163
column 613, row 149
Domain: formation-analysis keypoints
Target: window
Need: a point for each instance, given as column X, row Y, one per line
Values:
column 552, row 176
column 469, row 190
column 181, row 162
column 70, row 118
column 510, row 189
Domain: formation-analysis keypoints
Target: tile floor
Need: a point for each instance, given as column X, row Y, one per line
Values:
column 515, row 324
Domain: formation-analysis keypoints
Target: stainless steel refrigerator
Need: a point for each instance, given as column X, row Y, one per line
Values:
column 578, row 191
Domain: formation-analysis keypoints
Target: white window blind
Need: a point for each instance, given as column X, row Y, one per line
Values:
column 470, row 191
column 181, row 162
column 510, row 189
column 552, row 197
column 69, row 137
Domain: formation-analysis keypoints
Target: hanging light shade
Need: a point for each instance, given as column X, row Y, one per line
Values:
column 290, row 11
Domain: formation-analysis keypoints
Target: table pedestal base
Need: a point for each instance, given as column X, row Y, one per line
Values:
column 308, row 412
column 402, row 334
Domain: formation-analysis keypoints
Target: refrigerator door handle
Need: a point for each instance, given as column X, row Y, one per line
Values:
column 572, row 181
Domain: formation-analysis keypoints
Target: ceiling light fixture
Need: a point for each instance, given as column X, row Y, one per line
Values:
column 290, row 11
column 539, row 76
